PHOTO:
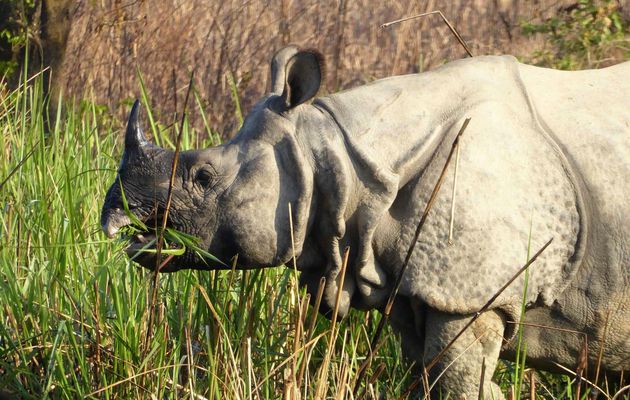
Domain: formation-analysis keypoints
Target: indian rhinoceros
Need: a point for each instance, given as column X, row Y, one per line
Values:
column 546, row 155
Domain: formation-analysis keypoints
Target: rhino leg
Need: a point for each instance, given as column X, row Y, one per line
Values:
column 458, row 372
column 407, row 320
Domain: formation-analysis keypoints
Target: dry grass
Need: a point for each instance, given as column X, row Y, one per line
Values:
column 230, row 40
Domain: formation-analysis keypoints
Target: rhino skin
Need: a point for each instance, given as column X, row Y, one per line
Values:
column 546, row 155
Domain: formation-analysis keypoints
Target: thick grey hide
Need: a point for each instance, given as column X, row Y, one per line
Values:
column 524, row 173
column 546, row 155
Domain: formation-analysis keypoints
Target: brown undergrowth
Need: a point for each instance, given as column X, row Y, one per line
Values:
column 229, row 44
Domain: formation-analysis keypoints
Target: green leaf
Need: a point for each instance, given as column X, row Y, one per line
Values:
column 135, row 221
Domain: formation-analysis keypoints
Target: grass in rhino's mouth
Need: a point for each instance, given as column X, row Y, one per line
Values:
column 145, row 241
column 142, row 242
column 142, row 239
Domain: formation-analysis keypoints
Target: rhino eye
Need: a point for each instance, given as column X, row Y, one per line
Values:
column 205, row 177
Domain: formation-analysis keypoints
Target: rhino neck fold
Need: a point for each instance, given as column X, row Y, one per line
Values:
column 378, row 172
column 361, row 158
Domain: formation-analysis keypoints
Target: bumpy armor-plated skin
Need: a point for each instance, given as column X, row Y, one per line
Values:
column 546, row 155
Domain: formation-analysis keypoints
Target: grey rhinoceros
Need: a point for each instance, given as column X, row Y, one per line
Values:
column 546, row 155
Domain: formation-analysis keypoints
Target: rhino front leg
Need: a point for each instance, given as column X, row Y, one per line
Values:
column 458, row 372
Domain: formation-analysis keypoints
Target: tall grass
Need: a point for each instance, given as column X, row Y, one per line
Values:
column 74, row 310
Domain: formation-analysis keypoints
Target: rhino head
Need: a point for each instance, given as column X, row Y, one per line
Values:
column 235, row 197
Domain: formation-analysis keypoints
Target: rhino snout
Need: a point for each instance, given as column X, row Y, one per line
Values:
column 113, row 220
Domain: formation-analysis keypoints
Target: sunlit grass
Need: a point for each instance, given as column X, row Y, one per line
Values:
column 74, row 310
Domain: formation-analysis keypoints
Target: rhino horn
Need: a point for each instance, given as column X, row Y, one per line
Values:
column 134, row 136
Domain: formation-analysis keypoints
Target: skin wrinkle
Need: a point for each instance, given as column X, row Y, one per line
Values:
column 285, row 165
column 332, row 224
column 373, row 278
column 582, row 198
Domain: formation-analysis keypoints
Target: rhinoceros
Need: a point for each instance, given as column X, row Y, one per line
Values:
column 546, row 155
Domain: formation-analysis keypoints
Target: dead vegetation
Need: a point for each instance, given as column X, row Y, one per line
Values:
column 232, row 41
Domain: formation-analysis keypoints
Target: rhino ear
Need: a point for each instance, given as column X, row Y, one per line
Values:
column 278, row 65
column 298, row 74
column 134, row 136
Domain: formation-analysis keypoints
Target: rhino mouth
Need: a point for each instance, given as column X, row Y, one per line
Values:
column 140, row 230
column 142, row 246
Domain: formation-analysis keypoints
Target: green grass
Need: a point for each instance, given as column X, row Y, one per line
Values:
column 75, row 312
